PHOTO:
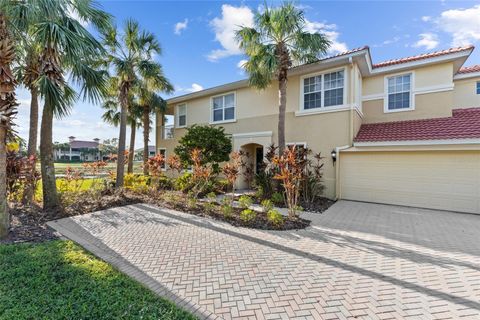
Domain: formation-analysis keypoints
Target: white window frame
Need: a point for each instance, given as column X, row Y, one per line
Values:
column 165, row 156
column 234, row 108
column 322, row 92
column 177, row 117
column 412, row 93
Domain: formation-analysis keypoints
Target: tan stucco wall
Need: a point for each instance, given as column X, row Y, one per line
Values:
column 325, row 132
column 465, row 93
column 429, row 105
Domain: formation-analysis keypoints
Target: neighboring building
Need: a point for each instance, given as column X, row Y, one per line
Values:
column 77, row 150
column 404, row 131
column 139, row 153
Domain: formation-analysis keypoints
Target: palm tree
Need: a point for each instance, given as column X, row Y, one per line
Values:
column 131, row 58
column 151, row 103
column 277, row 41
column 112, row 116
column 8, row 106
column 67, row 46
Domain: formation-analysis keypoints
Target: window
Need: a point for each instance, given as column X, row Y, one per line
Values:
column 163, row 152
column 399, row 92
column 478, row 87
column 181, row 115
column 324, row 90
column 223, row 108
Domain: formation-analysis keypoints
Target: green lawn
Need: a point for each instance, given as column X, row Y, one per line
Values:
column 61, row 166
column 59, row 280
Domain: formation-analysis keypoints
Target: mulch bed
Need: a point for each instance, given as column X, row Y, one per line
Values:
column 28, row 224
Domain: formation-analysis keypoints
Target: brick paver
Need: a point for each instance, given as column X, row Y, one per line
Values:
column 356, row 261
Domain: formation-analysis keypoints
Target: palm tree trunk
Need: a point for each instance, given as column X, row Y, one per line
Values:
column 4, row 215
column 146, row 133
column 131, row 151
column 282, row 97
column 121, row 141
column 50, row 196
column 8, row 106
column 32, row 142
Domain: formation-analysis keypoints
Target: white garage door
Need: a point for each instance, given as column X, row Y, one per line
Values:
column 447, row 180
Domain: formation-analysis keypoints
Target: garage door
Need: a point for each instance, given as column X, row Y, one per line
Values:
column 432, row 179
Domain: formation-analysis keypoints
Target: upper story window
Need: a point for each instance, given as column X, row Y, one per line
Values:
column 478, row 87
column 223, row 108
column 181, row 115
column 323, row 90
column 399, row 92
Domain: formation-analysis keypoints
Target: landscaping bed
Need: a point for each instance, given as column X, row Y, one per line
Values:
column 60, row 280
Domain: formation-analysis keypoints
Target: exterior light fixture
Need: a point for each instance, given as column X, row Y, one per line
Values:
column 334, row 155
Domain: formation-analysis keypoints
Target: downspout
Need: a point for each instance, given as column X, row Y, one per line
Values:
column 337, row 170
column 351, row 97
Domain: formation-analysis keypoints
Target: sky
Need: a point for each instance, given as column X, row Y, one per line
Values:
column 199, row 50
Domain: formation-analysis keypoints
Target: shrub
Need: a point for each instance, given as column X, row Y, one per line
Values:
column 156, row 165
column 202, row 175
column 174, row 163
column 227, row 208
column 231, row 170
column 245, row 201
column 213, row 143
column 223, row 185
column 163, row 183
column 184, row 182
column 20, row 172
column 248, row 215
column 267, row 205
column 136, row 182
column 277, row 198
column 275, row 217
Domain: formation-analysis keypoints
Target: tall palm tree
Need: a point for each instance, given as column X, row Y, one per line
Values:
column 131, row 57
column 150, row 103
column 8, row 106
column 67, row 46
column 112, row 115
column 277, row 41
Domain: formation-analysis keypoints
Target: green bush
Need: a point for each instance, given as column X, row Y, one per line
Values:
column 184, row 182
column 222, row 185
column 277, row 198
column 212, row 141
column 267, row 205
column 136, row 182
column 227, row 210
column 275, row 217
column 245, row 201
column 248, row 215
column 164, row 183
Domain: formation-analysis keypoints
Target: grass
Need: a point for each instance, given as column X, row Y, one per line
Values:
column 61, row 166
column 60, row 280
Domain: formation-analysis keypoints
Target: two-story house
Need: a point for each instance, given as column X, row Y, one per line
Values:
column 404, row 131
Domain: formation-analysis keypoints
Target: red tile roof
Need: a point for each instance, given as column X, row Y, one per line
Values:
column 470, row 69
column 83, row 144
column 464, row 124
column 421, row 56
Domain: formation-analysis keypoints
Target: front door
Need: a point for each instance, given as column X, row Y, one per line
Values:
column 258, row 159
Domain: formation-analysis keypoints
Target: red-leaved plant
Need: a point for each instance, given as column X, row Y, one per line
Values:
column 231, row 170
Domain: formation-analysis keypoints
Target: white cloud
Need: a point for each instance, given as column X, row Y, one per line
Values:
column 225, row 26
column 427, row 40
column 462, row 24
column 193, row 88
column 330, row 31
column 241, row 63
column 74, row 15
column 180, row 26
column 426, row 18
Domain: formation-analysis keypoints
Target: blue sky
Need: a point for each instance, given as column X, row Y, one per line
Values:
column 199, row 50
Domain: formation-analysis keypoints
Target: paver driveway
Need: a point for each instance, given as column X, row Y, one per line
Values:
column 356, row 261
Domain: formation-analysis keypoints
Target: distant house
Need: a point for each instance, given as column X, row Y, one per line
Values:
column 139, row 153
column 78, row 150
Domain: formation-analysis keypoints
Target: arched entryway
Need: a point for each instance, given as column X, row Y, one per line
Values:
column 253, row 145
